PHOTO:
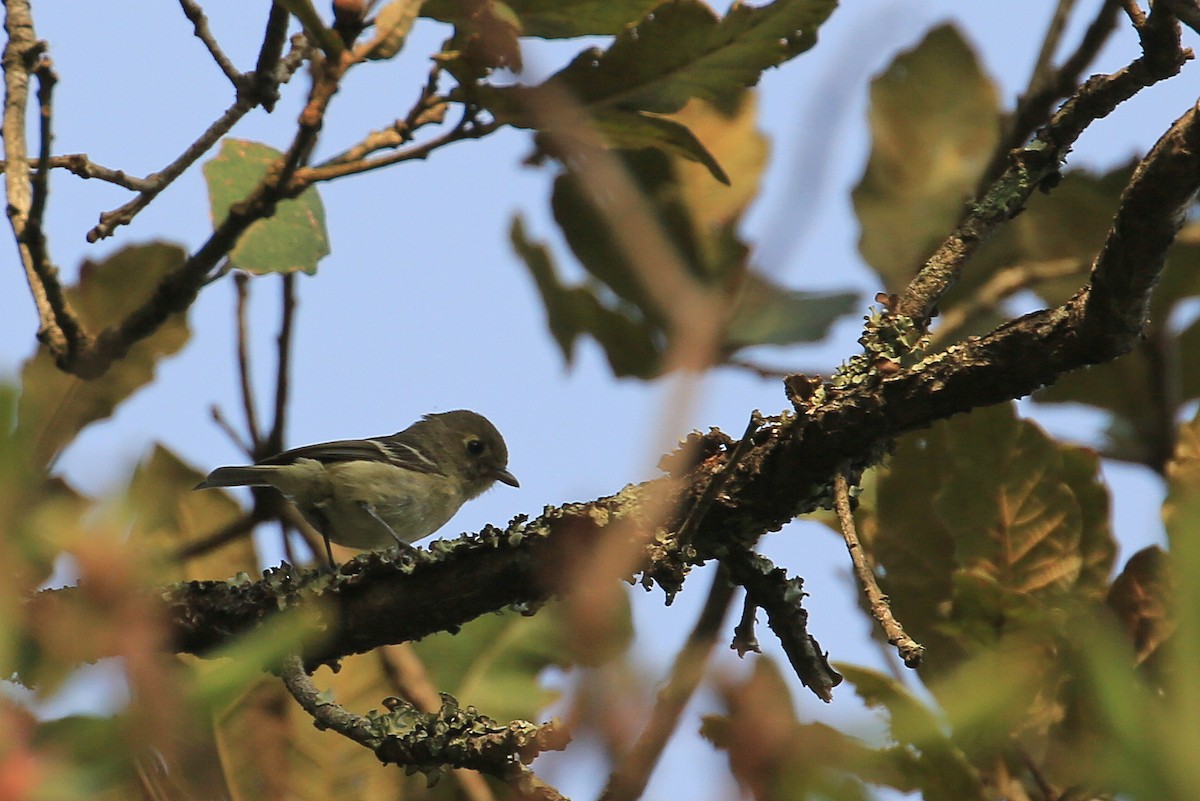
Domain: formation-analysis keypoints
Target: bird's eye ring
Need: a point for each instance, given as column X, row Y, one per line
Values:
column 474, row 446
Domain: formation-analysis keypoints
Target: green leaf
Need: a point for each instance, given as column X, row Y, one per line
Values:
column 293, row 239
column 768, row 314
column 494, row 662
column 934, row 123
column 684, row 50
column 942, row 770
column 56, row 406
column 392, row 24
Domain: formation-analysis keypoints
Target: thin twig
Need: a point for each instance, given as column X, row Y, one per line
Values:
column 688, row 528
column 1002, row 285
column 744, row 639
column 41, row 176
column 241, row 282
column 312, row 175
column 124, row 214
column 629, row 778
column 909, row 649
column 327, row 715
column 275, row 438
column 230, row 431
column 266, row 80
column 79, row 164
column 195, row 15
column 58, row 324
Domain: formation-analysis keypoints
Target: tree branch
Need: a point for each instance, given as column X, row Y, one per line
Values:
column 911, row 652
column 1037, row 165
column 195, row 15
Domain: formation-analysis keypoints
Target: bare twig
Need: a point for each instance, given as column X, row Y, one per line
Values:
column 911, row 652
column 628, row 779
column 266, row 78
column 58, row 324
column 275, row 438
column 466, row 129
column 195, row 15
column 157, row 182
column 1031, row 166
column 1187, row 11
column 241, row 282
column 79, row 164
column 230, row 431
column 744, row 639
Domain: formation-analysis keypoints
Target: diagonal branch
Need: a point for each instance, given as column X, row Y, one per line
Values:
column 195, row 15
column 1037, row 165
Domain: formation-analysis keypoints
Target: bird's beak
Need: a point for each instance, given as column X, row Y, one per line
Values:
column 507, row 478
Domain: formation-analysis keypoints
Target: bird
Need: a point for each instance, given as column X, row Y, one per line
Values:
column 379, row 492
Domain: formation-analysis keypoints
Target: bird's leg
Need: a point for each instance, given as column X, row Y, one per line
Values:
column 400, row 544
column 323, row 527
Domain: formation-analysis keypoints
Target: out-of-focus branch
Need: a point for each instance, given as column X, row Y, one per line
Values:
column 628, row 780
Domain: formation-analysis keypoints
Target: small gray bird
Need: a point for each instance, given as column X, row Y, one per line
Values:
column 373, row 493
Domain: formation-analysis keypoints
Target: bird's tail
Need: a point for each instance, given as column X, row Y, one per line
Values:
column 247, row 476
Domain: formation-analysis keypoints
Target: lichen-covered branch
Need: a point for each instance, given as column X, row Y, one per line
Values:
column 1037, row 165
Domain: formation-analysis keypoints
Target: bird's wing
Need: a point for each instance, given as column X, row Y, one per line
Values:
column 392, row 450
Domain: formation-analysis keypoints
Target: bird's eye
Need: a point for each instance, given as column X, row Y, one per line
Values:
column 474, row 446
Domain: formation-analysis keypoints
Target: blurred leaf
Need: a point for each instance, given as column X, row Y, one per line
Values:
column 167, row 514
column 558, row 19
column 934, row 123
column 768, row 314
column 294, row 238
column 635, row 130
column 392, row 24
column 573, row 311
column 485, row 38
column 1141, row 597
column 684, row 50
column 940, row 769
column 56, row 406
column 494, row 662
column 1181, row 513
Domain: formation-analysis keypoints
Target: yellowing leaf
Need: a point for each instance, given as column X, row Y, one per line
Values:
column 55, row 406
